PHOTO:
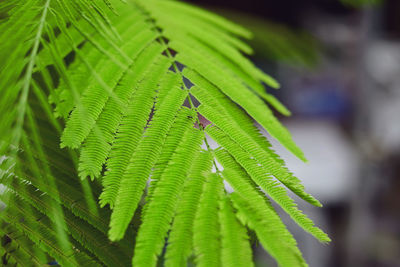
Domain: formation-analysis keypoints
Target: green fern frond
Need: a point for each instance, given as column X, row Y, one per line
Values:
column 159, row 213
column 94, row 97
column 206, row 228
column 25, row 29
column 240, row 94
column 216, row 22
column 210, row 45
column 123, row 86
column 88, row 65
column 259, row 215
column 182, row 121
column 129, row 194
column 129, row 136
column 97, row 145
column 261, row 177
column 235, row 245
column 180, row 240
column 240, row 128
column 153, row 142
column 67, row 191
column 131, row 127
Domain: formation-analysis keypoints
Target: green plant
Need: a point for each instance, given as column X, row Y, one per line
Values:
column 277, row 42
column 123, row 85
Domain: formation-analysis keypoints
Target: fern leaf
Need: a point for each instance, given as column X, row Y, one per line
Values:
column 149, row 147
column 269, row 185
column 97, row 145
column 182, row 121
column 206, row 238
column 119, row 76
column 161, row 207
column 225, row 56
column 71, row 37
column 259, row 215
column 212, row 19
column 67, row 191
column 78, row 71
column 76, row 12
column 284, row 253
column 240, row 128
column 130, row 133
column 129, row 193
column 90, row 239
column 22, row 34
column 236, row 250
column 83, row 118
column 240, row 94
column 169, row 100
column 132, row 125
column 180, row 241
column 69, row 194
column 212, row 45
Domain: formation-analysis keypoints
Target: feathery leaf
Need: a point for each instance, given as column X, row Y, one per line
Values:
column 206, row 228
column 180, row 241
column 267, row 183
column 161, row 207
column 236, row 250
column 256, row 211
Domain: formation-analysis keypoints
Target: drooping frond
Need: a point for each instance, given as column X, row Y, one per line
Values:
column 262, row 178
column 95, row 97
column 26, row 28
column 259, row 215
column 159, row 213
column 180, row 240
column 181, row 123
column 277, row 42
column 115, row 92
column 192, row 55
column 92, row 61
column 235, row 243
column 131, row 188
column 206, row 228
column 240, row 128
column 131, row 129
column 97, row 145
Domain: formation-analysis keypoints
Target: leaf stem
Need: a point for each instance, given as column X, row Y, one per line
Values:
column 28, row 76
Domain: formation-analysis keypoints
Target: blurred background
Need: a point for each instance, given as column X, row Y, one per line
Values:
column 339, row 66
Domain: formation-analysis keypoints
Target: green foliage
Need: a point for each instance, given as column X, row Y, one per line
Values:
column 278, row 42
column 105, row 161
